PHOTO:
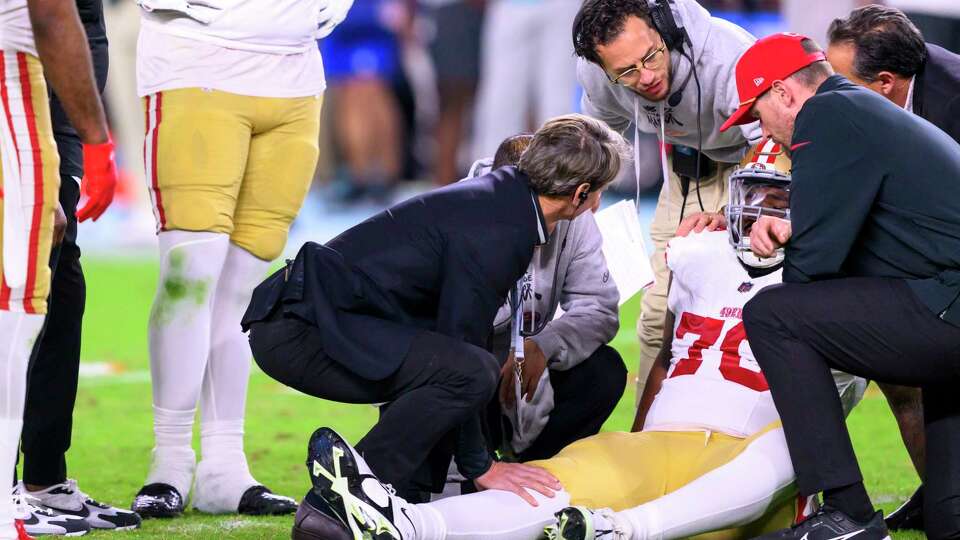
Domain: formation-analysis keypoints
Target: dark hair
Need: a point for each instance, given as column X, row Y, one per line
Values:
column 812, row 75
column 570, row 150
column 510, row 150
column 600, row 21
column 885, row 40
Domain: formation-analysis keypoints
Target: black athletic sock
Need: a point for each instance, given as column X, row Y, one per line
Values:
column 852, row 500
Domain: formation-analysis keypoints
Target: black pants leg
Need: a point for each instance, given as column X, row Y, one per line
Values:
column 584, row 397
column 871, row 327
column 941, row 488
column 441, row 382
column 55, row 365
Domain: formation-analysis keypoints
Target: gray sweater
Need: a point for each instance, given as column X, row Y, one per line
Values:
column 717, row 45
column 570, row 272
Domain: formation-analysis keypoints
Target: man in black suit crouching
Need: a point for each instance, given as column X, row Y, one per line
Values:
column 400, row 308
column 879, row 48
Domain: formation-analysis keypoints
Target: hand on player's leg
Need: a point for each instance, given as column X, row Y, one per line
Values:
column 518, row 478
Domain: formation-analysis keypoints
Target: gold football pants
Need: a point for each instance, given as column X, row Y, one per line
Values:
column 226, row 163
column 31, row 182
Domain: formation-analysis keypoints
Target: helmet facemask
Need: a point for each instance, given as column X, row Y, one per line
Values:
column 756, row 192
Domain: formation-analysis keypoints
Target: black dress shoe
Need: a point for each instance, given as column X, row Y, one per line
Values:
column 260, row 501
column 909, row 517
column 158, row 501
column 311, row 523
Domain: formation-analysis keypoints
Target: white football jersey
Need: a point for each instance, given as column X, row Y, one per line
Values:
column 262, row 48
column 714, row 382
column 16, row 33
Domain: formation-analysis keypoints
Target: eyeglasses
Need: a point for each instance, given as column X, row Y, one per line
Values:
column 651, row 62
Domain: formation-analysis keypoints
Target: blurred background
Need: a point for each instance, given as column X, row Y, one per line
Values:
column 419, row 89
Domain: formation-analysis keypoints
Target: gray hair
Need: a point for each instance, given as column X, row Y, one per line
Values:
column 571, row 150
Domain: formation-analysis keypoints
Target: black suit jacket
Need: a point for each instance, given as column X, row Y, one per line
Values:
column 875, row 193
column 936, row 90
column 443, row 262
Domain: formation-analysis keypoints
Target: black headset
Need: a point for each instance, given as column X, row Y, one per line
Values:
column 674, row 37
column 583, row 196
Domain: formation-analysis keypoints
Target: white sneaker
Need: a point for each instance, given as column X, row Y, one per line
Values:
column 66, row 499
column 370, row 510
column 38, row 521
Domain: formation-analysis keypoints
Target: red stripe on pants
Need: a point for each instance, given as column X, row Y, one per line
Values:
column 27, row 91
column 153, row 160
column 5, row 97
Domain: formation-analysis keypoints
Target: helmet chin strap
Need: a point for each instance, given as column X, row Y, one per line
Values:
column 750, row 259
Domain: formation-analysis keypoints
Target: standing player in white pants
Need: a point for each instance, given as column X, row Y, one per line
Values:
column 527, row 72
column 40, row 40
column 232, row 93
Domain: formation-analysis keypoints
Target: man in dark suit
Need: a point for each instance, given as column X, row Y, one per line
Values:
column 880, row 48
column 400, row 308
column 871, row 277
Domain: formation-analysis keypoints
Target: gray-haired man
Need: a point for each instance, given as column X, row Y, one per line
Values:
column 399, row 308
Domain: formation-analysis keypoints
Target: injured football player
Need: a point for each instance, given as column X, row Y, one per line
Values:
column 711, row 457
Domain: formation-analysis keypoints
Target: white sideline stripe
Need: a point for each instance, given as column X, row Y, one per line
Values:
column 110, row 373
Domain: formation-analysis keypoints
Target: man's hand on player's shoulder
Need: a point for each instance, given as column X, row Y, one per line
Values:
column 517, row 478
column 703, row 221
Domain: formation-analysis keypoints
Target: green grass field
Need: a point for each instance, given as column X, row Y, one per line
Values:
column 113, row 434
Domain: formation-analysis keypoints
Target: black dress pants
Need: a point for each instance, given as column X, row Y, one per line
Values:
column 440, row 384
column 55, row 363
column 875, row 328
column 584, row 396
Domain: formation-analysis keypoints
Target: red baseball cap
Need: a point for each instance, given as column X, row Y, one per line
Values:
column 772, row 58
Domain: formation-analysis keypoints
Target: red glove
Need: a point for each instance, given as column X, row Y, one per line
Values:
column 99, row 179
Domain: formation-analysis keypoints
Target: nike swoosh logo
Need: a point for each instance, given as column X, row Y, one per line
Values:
column 843, row 537
column 84, row 512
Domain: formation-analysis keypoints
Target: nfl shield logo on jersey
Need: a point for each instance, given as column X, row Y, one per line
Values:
column 745, row 287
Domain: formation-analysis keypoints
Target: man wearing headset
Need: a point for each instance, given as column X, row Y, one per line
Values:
column 399, row 308
column 663, row 67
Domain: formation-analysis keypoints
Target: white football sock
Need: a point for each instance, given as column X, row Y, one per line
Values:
column 190, row 266
column 173, row 457
column 223, row 475
column 491, row 515
column 18, row 332
column 731, row 495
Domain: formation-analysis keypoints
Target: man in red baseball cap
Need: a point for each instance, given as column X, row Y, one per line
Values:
column 786, row 63
column 871, row 277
